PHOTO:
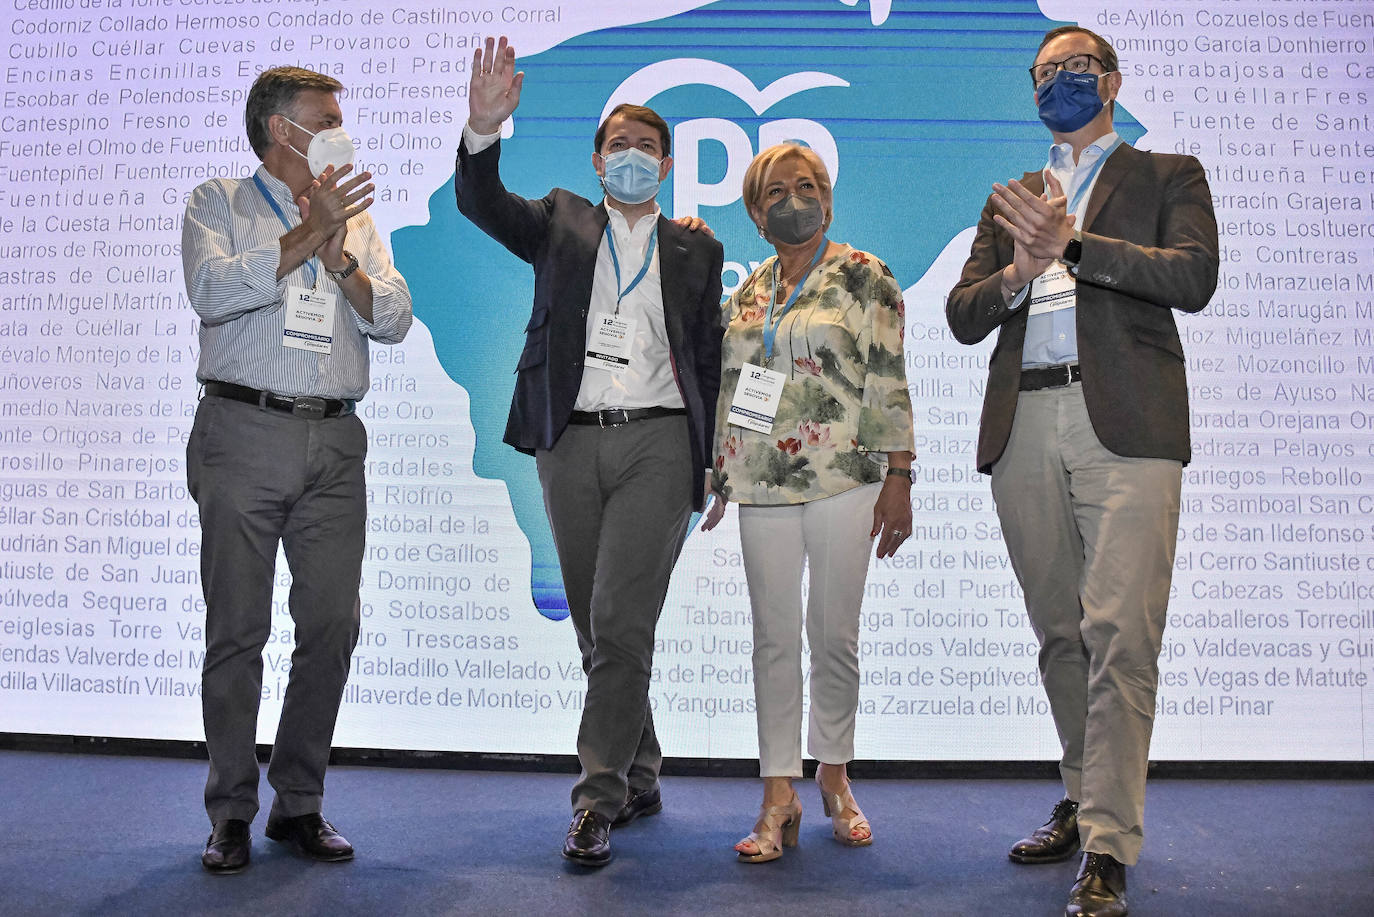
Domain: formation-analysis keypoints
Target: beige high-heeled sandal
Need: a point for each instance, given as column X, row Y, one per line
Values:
column 777, row 827
column 845, row 816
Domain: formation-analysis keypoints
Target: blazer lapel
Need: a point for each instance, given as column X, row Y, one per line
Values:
column 1113, row 171
column 672, row 264
column 580, row 265
column 587, row 235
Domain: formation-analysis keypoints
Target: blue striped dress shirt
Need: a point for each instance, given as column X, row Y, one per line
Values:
column 230, row 252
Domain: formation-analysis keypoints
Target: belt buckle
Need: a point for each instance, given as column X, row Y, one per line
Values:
column 601, row 417
column 1068, row 375
column 309, row 407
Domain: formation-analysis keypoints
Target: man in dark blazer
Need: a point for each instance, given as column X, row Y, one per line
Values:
column 1085, row 432
column 615, row 396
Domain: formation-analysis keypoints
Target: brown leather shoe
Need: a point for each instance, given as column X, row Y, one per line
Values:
column 1055, row 840
column 589, row 839
column 1100, row 890
column 648, row 802
column 226, row 850
column 312, row 835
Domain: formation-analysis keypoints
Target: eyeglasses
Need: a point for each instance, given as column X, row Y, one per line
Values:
column 1078, row 63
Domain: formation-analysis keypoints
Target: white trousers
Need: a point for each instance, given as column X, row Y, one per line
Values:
column 831, row 536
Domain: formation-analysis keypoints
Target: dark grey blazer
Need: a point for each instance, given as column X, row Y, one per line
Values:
column 559, row 235
column 1149, row 246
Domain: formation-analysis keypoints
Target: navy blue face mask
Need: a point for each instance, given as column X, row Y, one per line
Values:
column 1069, row 101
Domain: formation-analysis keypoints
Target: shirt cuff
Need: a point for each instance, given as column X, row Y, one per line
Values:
column 391, row 315
column 475, row 142
column 1019, row 299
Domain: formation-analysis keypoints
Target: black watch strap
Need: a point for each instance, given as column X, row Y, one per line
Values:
column 899, row 473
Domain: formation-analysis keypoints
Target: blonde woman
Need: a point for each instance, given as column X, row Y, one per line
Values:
column 814, row 441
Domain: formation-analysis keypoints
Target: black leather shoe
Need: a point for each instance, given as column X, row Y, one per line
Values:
column 589, row 839
column 226, row 850
column 312, row 835
column 648, row 802
column 1100, row 890
column 1055, row 840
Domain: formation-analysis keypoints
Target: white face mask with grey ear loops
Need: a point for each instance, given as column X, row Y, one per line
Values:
column 330, row 147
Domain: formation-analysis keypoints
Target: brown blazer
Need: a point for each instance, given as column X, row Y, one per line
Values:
column 1149, row 246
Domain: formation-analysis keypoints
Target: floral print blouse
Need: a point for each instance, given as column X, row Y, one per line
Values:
column 845, row 397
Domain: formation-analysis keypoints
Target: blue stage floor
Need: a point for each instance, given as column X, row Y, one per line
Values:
column 105, row 835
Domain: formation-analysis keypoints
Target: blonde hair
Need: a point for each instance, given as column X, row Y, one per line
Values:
column 756, row 176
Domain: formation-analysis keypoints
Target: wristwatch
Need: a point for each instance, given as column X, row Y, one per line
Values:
column 899, row 473
column 348, row 271
column 1073, row 252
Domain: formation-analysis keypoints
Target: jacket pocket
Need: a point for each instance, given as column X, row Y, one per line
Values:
column 536, row 350
column 538, row 319
column 1163, row 340
column 536, row 340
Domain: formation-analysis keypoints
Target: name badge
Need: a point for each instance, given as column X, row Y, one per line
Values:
column 1053, row 290
column 611, row 340
column 756, row 398
column 309, row 320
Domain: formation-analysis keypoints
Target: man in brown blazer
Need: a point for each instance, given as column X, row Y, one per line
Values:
column 1078, row 267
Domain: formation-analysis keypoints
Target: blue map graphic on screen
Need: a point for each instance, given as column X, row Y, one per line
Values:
column 916, row 113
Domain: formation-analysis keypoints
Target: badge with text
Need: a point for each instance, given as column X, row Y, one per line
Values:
column 1053, row 290
column 611, row 340
column 756, row 398
column 309, row 320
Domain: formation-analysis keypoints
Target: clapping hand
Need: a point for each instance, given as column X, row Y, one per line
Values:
column 1040, row 225
column 327, row 206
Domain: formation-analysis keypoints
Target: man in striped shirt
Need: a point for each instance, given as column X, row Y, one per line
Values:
column 290, row 279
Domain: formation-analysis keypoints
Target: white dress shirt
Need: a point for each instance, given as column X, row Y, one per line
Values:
column 649, row 381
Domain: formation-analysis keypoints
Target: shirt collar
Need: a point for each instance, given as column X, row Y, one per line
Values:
column 275, row 185
column 620, row 225
column 1061, row 154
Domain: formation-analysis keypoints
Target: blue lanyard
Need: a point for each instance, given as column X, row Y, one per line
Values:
column 770, row 327
column 643, row 268
column 1088, row 178
column 309, row 262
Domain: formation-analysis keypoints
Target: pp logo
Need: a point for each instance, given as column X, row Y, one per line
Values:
column 689, row 191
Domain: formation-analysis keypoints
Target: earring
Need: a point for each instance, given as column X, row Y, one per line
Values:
column 762, row 234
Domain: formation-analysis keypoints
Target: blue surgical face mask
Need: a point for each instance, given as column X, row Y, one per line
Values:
column 631, row 176
column 1069, row 101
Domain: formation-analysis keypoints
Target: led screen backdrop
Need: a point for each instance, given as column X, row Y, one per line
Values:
column 112, row 112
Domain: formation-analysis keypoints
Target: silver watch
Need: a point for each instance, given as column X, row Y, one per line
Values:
column 348, row 271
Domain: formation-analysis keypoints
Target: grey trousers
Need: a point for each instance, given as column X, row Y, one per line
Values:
column 262, row 477
column 1091, row 536
column 619, row 500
